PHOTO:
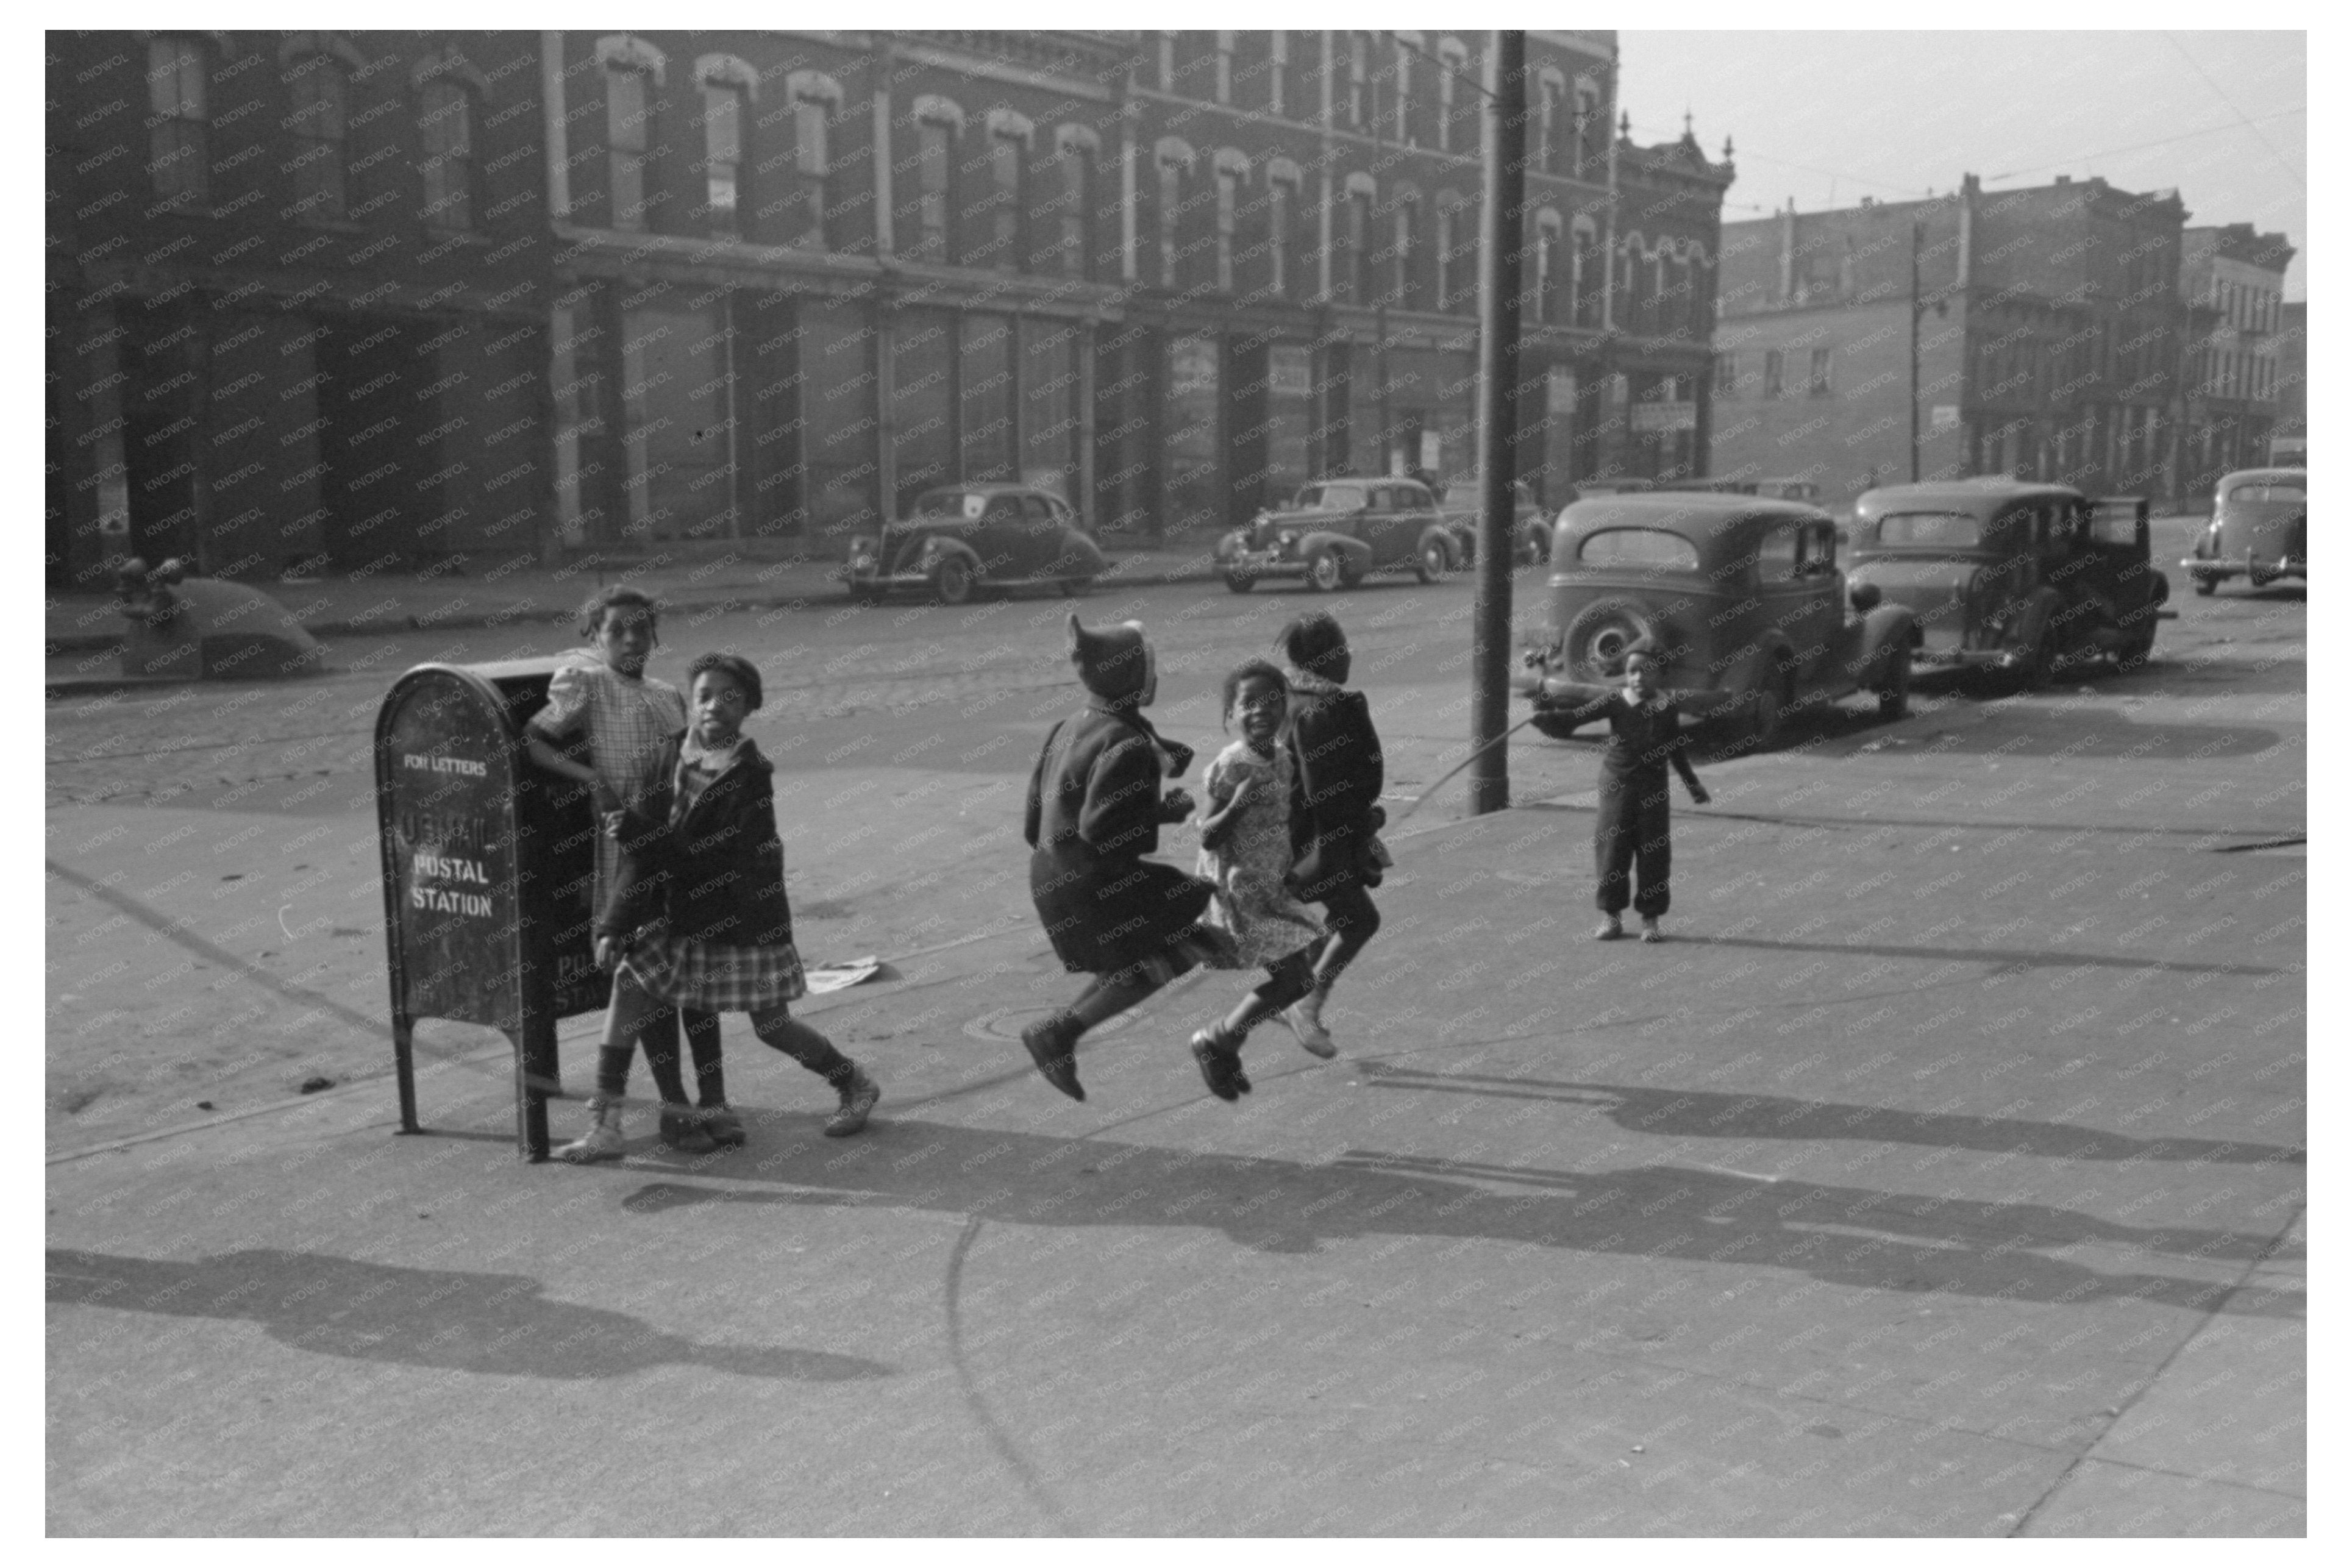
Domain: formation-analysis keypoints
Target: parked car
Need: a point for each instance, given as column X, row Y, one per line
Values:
column 1338, row 532
column 959, row 539
column 1744, row 595
column 1789, row 489
column 1588, row 490
column 1459, row 505
column 2257, row 533
column 2011, row 575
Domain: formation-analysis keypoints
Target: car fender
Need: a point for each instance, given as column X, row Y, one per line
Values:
column 1079, row 557
column 1353, row 551
column 1751, row 667
column 2041, row 609
column 936, row 548
column 1446, row 541
column 1884, row 630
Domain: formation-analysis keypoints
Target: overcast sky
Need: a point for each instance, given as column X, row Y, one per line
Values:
column 1829, row 118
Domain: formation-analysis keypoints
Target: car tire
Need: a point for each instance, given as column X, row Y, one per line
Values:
column 1894, row 688
column 1764, row 718
column 1326, row 572
column 1553, row 726
column 952, row 580
column 1596, row 638
column 1240, row 582
column 1535, row 550
column 2037, row 673
column 2205, row 586
column 1434, row 562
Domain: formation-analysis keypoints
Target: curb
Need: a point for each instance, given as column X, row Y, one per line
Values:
column 105, row 642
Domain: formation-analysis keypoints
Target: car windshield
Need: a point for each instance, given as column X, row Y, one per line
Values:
column 1331, row 497
column 2268, row 491
column 951, row 504
column 1652, row 549
column 1944, row 530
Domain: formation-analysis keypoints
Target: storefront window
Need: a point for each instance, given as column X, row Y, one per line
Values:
column 922, row 403
column 676, row 435
column 986, row 374
column 1049, row 404
column 1192, row 458
column 837, row 434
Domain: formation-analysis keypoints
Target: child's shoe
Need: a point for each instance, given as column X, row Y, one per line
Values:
column 1053, row 1045
column 682, row 1130
column 1650, row 931
column 604, row 1140
column 857, row 1099
column 724, row 1127
column 1220, row 1064
column 1304, row 1017
column 1609, row 930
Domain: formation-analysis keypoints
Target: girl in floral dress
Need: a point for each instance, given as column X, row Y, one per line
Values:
column 1246, row 854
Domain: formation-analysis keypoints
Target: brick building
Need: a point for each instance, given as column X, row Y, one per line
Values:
column 296, row 304
column 769, row 285
column 2233, row 280
column 2291, row 431
column 2049, row 338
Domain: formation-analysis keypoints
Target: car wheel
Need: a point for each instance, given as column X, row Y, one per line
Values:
column 1325, row 573
column 2205, row 586
column 1240, row 582
column 1764, row 718
column 1553, row 726
column 952, row 580
column 1895, row 690
column 1534, row 550
column 1434, row 563
column 2036, row 673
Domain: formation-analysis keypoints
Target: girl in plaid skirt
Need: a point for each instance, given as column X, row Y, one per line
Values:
column 697, row 917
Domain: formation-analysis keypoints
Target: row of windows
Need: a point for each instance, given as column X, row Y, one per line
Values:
column 1394, row 86
column 2229, row 373
column 1727, row 375
column 318, row 70
column 2244, row 306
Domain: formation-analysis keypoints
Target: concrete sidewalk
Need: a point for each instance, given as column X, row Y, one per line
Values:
column 1844, row 1214
column 358, row 607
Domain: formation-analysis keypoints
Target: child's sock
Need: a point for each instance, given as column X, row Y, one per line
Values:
column 613, row 1069
column 660, row 1038
column 702, row 1039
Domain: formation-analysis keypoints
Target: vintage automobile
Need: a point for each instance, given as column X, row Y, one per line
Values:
column 1339, row 530
column 2011, row 575
column 2257, row 533
column 1788, row 489
column 1743, row 594
column 1458, row 507
column 958, row 538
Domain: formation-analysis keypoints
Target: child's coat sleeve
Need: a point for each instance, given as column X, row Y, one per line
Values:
column 1120, row 815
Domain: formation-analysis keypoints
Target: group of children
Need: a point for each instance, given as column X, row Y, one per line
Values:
column 692, row 919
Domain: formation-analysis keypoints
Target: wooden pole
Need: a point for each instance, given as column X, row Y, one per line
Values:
column 1504, row 145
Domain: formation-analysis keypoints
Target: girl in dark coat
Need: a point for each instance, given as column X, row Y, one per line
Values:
column 1335, row 812
column 697, row 917
column 1631, row 839
column 1095, row 811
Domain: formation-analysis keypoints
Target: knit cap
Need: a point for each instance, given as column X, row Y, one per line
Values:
column 1112, row 663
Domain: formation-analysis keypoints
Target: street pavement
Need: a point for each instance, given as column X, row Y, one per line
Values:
column 1944, row 1176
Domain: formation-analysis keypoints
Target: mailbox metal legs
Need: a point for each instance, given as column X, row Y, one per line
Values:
column 404, row 1069
column 536, row 1080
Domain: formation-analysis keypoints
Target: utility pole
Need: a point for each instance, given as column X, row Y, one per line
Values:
column 1503, row 146
column 1914, row 351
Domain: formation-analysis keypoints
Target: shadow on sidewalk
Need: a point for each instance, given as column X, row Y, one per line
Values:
column 497, row 1323
column 2005, row 961
column 1854, row 1236
column 1702, row 1113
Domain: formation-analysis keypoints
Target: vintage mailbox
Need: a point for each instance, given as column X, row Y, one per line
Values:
column 489, row 873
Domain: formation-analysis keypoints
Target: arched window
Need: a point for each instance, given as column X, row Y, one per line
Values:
column 1549, row 266
column 179, row 119
column 1010, row 136
column 1359, row 109
column 938, row 124
column 1173, row 160
column 1551, row 95
column 1584, row 272
column 448, row 104
column 1356, row 273
column 1277, row 67
column 1405, row 284
column 1407, row 43
column 729, row 88
column 1232, row 174
column 815, row 99
column 1452, row 63
column 1167, row 62
column 1224, row 68
column 1286, row 253
column 1457, row 246
column 634, row 70
column 318, row 75
column 1078, row 148
column 1592, row 154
